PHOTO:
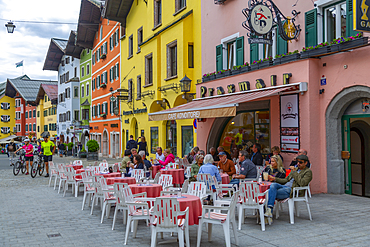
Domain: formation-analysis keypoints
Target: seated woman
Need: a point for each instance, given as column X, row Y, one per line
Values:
column 168, row 158
column 210, row 168
column 137, row 164
column 195, row 167
column 126, row 159
column 276, row 168
column 275, row 151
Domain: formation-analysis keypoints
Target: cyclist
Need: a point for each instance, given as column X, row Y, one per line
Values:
column 29, row 153
column 11, row 148
column 46, row 146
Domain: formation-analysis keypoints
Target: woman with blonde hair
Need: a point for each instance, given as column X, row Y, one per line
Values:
column 275, row 168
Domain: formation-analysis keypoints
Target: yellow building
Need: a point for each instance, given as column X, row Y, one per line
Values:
column 161, row 44
column 46, row 110
column 7, row 113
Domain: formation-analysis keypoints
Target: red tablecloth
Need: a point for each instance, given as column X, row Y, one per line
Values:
column 127, row 180
column 177, row 175
column 75, row 167
column 195, row 207
column 225, row 178
column 155, row 170
column 109, row 175
column 152, row 190
column 265, row 186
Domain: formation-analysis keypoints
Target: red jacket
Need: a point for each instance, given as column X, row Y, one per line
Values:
column 170, row 158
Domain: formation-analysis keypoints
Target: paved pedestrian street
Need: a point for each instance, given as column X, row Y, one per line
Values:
column 34, row 214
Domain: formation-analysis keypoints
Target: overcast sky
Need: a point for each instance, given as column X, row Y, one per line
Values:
column 30, row 42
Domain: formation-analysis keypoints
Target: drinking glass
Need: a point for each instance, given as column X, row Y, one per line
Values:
column 221, row 171
column 266, row 176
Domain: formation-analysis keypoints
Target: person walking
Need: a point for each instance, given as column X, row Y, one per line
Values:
column 131, row 143
column 46, row 147
column 143, row 145
column 11, row 148
column 29, row 153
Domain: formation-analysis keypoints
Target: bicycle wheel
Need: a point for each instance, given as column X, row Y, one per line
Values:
column 34, row 169
column 41, row 168
column 16, row 168
column 23, row 168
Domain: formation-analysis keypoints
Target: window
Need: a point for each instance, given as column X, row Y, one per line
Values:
column 171, row 136
column 46, row 127
column 139, row 38
column 77, row 115
column 5, row 130
column 179, row 4
column 98, row 82
column 38, row 113
column 149, row 69
column 82, row 91
column 68, row 93
column 88, row 69
column 75, row 92
column 172, row 59
column 18, row 127
column 68, row 116
column 87, row 51
column 138, row 94
column 154, row 141
column 101, row 33
column 335, row 18
column 5, row 118
column 87, row 89
column 34, row 127
column 26, row 127
column 26, row 114
column 17, row 102
column 67, row 74
column 157, row 12
column 191, row 56
column 117, row 70
column 82, row 71
column 30, row 127
column 30, row 114
column 130, row 46
column 97, row 55
column 93, row 58
column 45, row 113
column 187, row 139
column 46, row 98
column 231, row 52
column 130, row 90
column 85, row 114
column 5, row 106
column 67, row 60
column 34, row 113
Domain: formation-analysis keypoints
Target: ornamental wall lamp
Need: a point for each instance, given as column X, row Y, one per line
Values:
column 163, row 103
column 185, row 85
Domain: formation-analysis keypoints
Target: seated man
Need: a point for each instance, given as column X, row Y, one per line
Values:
column 247, row 168
column 209, row 167
column 283, row 187
column 226, row 165
column 294, row 161
column 148, row 165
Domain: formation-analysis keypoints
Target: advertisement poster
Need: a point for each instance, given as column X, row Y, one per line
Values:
column 289, row 123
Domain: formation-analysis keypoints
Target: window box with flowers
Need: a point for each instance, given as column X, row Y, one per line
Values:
column 103, row 55
column 262, row 63
column 352, row 42
column 287, row 57
column 103, row 115
column 103, row 84
column 209, row 76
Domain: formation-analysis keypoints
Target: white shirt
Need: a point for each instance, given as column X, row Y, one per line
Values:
column 159, row 157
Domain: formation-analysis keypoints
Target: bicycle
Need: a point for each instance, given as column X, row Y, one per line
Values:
column 20, row 165
column 38, row 166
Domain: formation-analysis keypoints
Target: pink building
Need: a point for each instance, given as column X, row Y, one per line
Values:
column 316, row 100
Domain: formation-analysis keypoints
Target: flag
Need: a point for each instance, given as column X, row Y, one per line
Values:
column 19, row 64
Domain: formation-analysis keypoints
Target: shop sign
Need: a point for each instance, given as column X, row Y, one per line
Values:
column 361, row 15
column 289, row 123
column 143, row 110
column 244, row 86
column 96, row 127
column 209, row 113
column 114, row 125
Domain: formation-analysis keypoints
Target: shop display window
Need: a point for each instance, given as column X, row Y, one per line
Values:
column 187, row 139
column 245, row 129
column 154, row 143
column 171, row 136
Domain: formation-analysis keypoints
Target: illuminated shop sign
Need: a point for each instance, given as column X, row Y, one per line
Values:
column 289, row 123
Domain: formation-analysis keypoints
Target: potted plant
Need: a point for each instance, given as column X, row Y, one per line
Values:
column 103, row 115
column 92, row 150
column 103, row 55
column 103, row 84
column 287, row 57
column 69, row 148
column 82, row 153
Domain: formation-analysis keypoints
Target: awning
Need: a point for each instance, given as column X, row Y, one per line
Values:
column 222, row 105
column 8, row 139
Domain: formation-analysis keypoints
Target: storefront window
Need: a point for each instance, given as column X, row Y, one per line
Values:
column 245, row 129
column 171, row 136
column 187, row 139
column 153, row 139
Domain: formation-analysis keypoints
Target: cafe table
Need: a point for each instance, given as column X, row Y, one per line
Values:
column 75, row 167
column 127, row 180
column 195, row 207
column 225, row 179
column 155, row 170
column 109, row 175
column 152, row 190
column 177, row 175
column 81, row 170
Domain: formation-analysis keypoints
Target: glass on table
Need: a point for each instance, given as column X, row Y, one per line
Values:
column 221, row 171
column 265, row 176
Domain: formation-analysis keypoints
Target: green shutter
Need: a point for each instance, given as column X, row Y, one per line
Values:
column 101, row 78
column 349, row 20
column 253, row 53
column 239, row 51
column 311, row 28
column 281, row 45
column 106, row 77
column 219, row 59
column 117, row 70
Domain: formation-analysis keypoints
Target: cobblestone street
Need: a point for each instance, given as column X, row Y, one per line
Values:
column 30, row 211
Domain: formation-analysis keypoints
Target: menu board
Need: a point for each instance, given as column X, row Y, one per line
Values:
column 289, row 123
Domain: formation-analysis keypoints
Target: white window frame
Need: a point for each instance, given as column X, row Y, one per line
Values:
column 17, row 102
column 98, row 110
column 18, row 127
column 17, row 113
column 101, row 33
column 82, row 71
column 224, row 43
column 87, row 89
column 88, row 69
column 74, row 96
column 82, row 91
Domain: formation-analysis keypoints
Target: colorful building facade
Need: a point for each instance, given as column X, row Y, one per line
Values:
column 7, row 113
column 158, row 51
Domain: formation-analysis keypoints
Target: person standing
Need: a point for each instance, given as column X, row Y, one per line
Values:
column 131, row 143
column 256, row 157
column 61, row 148
column 11, row 149
column 143, row 145
column 29, row 153
column 46, row 147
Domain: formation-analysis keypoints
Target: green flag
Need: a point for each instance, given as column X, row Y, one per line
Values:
column 19, row 64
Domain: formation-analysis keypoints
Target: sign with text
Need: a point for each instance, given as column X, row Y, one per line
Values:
column 289, row 123
column 361, row 15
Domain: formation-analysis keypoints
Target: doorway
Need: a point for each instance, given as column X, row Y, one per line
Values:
column 171, row 136
column 105, row 144
column 356, row 134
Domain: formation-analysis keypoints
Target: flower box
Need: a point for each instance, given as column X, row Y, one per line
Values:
column 355, row 43
column 209, row 78
column 265, row 64
column 254, row 66
column 103, row 115
column 287, row 59
column 316, row 52
column 245, row 69
column 102, row 56
column 103, row 85
column 235, row 71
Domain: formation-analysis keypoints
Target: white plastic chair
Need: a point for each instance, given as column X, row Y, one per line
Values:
column 62, row 177
column 292, row 203
column 188, row 172
column 109, row 198
column 211, row 216
column 137, row 210
column 156, row 179
column 259, row 170
column 98, row 194
column 138, row 174
column 251, row 198
column 71, row 179
column 96, row 169
column 116, row 167
column 198, row 189
column 104, row 166
column 121, row 203
column 208, row 181
column 165, row 180
column 88, row 188
column 77, row 162
column 166, row 212
column 53, row 173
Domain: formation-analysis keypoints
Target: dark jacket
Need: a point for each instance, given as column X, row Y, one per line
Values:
column 248, row 169
column 257, row 159
column 143, row 147
column 131, row 144
column 301, row 179
column 275, row 172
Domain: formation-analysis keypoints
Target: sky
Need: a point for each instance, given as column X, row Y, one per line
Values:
column 30, row 42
